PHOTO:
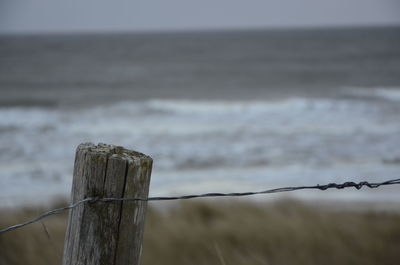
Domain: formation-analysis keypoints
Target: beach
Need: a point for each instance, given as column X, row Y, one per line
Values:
column 231, row 232
column 218, row 111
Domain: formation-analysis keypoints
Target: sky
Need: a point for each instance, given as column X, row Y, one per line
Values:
column 20, row 16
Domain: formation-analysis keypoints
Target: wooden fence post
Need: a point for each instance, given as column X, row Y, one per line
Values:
column 107, row 233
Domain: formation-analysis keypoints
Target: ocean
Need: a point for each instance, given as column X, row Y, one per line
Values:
column 219, row 111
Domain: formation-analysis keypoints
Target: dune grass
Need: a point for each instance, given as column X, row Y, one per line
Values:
column 230, row 233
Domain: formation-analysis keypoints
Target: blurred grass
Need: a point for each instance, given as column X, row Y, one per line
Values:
column 232, row 233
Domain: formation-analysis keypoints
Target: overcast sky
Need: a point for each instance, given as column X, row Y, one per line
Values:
column 131, row 15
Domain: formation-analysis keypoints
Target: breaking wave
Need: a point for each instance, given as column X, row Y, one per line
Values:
column 217, row 138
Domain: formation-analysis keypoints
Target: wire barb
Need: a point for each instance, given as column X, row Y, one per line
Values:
column 344, row 185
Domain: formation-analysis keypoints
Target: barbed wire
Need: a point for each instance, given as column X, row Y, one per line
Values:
column 348, row 184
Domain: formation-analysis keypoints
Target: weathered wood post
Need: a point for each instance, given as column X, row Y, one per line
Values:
column 107, row 233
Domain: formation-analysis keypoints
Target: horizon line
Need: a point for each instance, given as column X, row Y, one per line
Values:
column 198, row 30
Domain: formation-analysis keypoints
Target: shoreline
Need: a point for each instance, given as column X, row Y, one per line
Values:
column 358, row 206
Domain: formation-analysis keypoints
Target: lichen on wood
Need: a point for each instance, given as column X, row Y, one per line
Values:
column 108, row 233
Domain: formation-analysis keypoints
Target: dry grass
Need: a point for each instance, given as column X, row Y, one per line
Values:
column 231, row 233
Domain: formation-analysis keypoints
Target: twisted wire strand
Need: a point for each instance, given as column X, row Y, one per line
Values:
column 344, row 185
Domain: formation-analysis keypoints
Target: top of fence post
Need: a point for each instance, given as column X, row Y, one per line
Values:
column 108, row 233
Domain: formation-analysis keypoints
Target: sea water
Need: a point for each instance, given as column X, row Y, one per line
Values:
column 217, row 111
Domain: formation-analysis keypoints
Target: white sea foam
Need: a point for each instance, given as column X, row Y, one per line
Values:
column 198, row 142
column 387, row 93
column 390, row 94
